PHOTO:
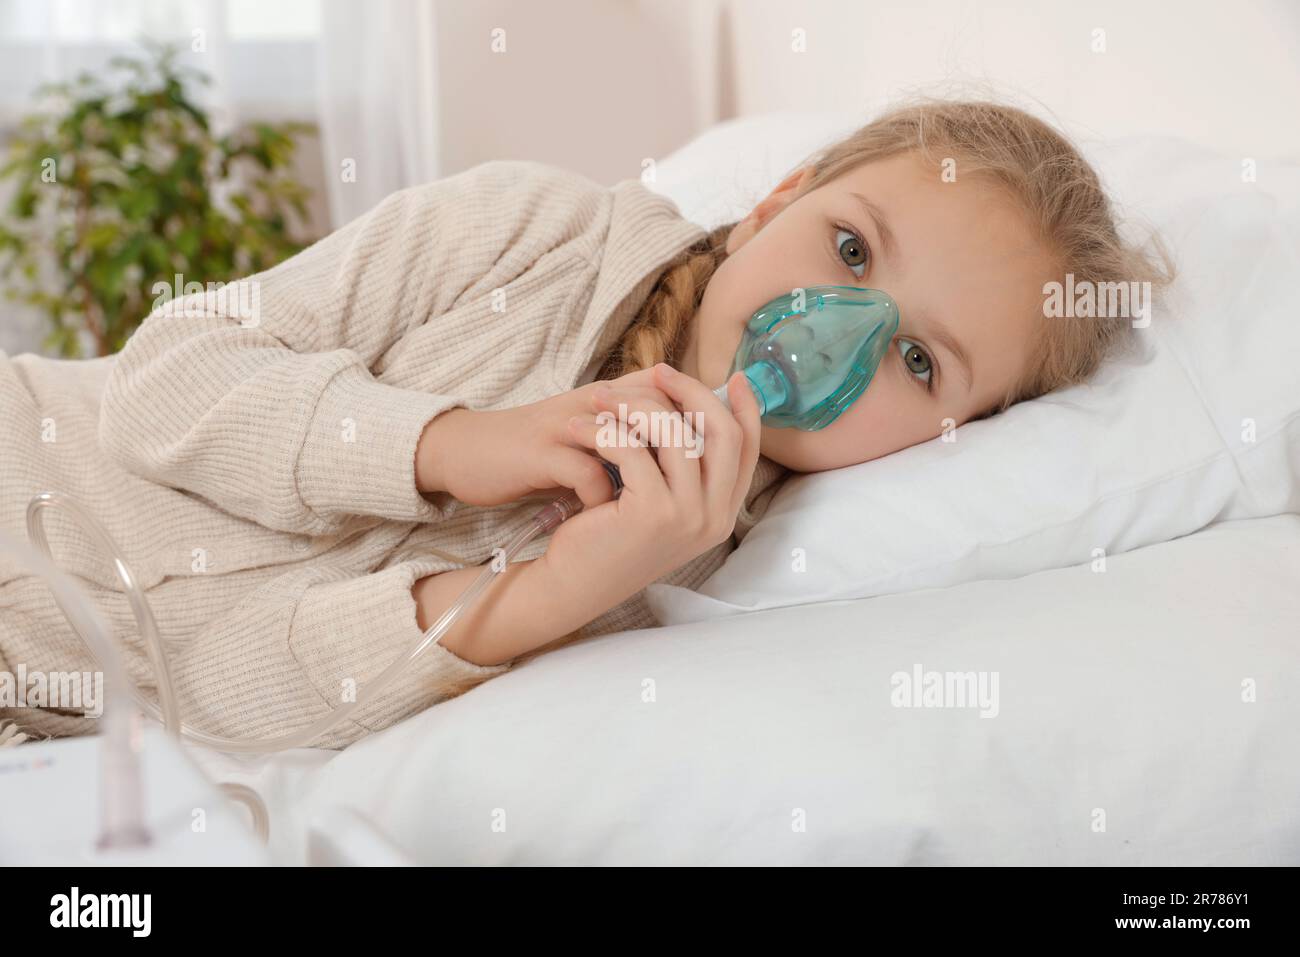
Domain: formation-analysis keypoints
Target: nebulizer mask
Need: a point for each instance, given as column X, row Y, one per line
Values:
column 810, row 354
column 807, row 355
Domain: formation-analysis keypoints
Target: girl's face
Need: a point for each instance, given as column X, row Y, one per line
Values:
column 957, row 257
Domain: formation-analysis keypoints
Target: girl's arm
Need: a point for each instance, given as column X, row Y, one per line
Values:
column 260, row 396
column 524, row 609
column 309, row 639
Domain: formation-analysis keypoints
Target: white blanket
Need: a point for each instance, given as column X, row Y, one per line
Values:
column 1145, row 714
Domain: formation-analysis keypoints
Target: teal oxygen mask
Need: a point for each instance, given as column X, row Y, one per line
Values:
column 810, row 354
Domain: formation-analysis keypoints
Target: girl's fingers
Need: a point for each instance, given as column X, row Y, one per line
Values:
column 622, row 403
column 641, row 379
column 576, row 469
column 608, row 396
column 720, row 428
column 629, row 395
column 677, row 445
column 744, row 407
column 635, row 463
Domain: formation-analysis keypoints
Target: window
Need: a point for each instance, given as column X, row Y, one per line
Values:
column 261, row 55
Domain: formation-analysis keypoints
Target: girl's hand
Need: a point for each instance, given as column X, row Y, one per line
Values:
column 492, row 457
column 676, row 504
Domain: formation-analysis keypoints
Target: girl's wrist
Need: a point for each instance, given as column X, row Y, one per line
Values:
column 518, row 613
column 436, row 446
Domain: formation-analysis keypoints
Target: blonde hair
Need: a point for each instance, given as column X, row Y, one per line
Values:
column 1039, row 170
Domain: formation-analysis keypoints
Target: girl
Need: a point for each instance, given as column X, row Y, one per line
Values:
column 304, row 478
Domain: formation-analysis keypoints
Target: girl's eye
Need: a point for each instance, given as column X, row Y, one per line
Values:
column 852, row 250
column 917, row 362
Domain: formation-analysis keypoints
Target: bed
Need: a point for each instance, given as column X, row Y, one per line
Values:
column 1144, row 715
column 1090, row 666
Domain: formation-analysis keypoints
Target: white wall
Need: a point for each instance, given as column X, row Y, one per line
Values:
column 1221, row 73
column 592, row 85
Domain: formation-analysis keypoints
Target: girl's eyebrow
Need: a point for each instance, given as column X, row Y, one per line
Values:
column 882, row 225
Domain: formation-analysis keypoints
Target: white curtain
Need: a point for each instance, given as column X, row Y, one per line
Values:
column 366, row 73
column 260, row 58
column 57, row 39
column 378, row 103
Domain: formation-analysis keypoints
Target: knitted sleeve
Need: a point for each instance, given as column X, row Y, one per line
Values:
column 311, row 640
column 261, row 395
column 295, row 649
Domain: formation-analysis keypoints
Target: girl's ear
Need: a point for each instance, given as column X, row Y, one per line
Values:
column 781, row 196
column 792, row 183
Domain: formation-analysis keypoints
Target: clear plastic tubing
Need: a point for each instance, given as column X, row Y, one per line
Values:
column 167, row 712
column 121, row 790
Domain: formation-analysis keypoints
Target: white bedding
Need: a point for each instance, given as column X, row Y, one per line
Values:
column 1201, row 425
column 1120, row 693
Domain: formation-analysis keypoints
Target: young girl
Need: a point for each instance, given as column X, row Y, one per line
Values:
column 304, row 478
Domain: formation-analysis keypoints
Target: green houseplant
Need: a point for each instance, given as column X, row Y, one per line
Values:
column 124, row 189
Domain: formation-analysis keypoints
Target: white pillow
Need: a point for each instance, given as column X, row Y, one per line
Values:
column 1204, row 424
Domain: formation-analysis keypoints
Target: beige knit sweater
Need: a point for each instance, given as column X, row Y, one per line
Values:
column 253, row 454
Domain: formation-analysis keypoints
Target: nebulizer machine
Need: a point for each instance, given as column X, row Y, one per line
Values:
column 807, row 356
